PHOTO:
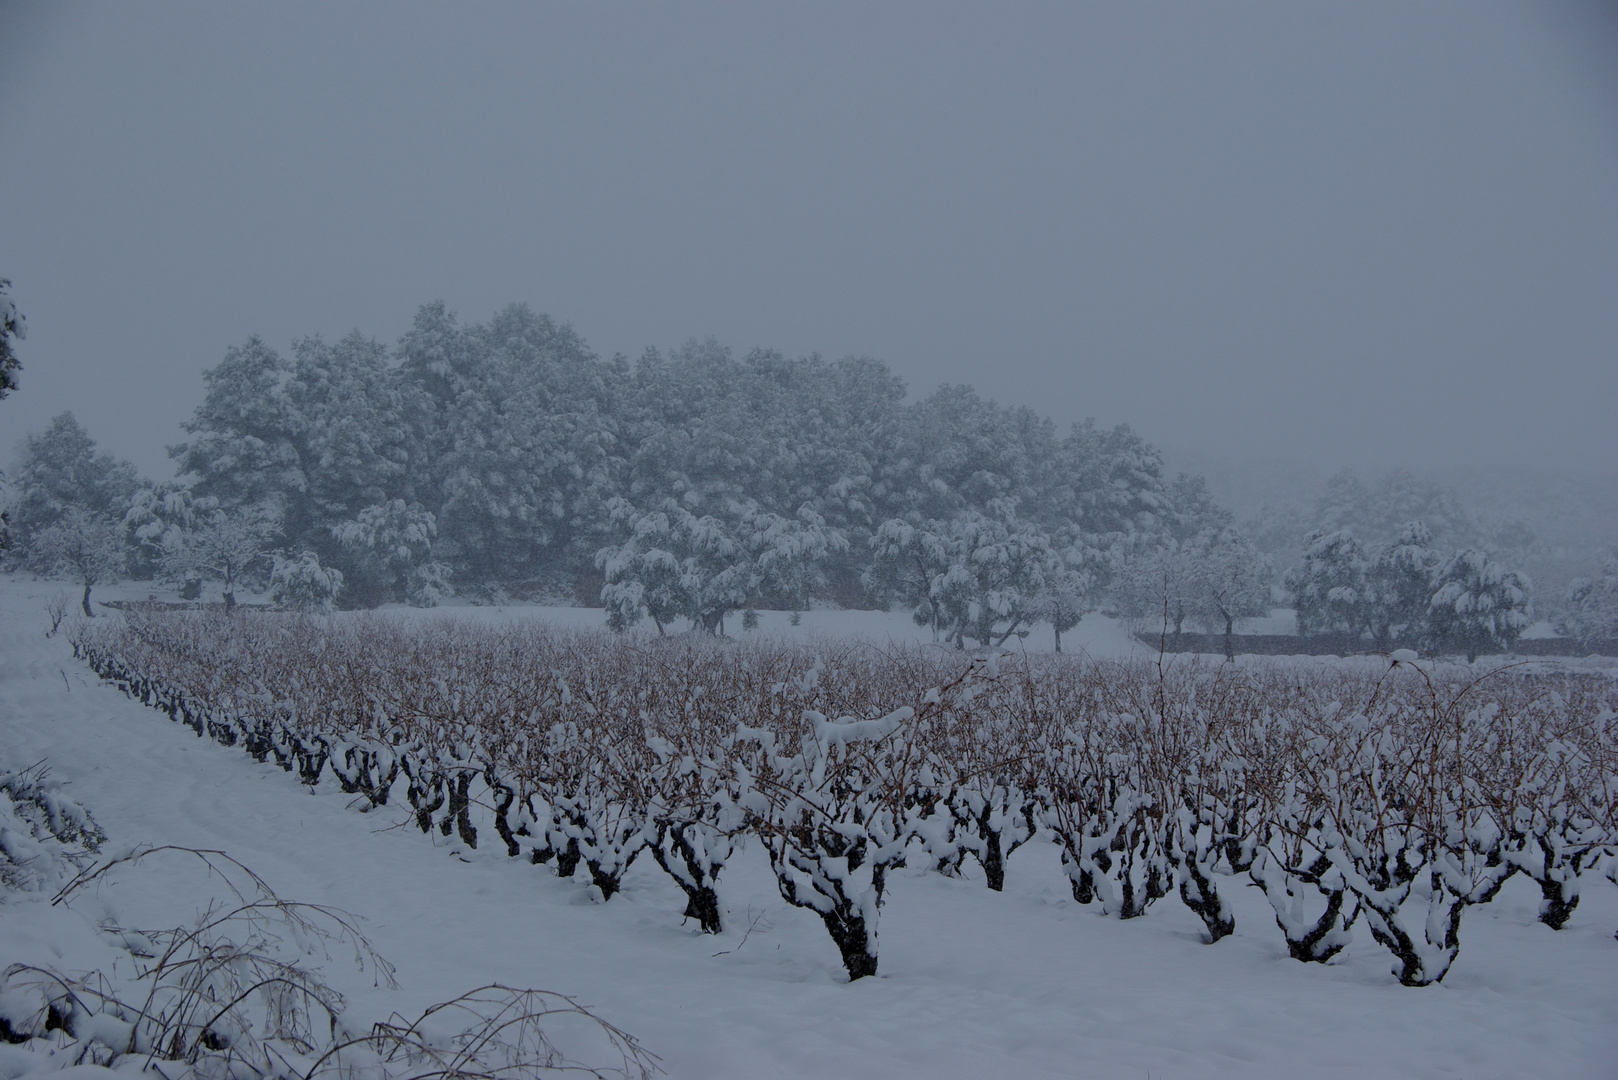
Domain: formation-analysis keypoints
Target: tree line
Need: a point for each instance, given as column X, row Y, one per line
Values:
column 506, row 459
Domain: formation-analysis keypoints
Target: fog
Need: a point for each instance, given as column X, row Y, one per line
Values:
column 964, row 467
column 1369, row 235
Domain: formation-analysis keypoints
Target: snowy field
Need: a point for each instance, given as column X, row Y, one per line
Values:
column 1096, row 634
column 972, row 984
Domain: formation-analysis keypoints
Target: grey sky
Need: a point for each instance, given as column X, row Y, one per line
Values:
column 1364, row 233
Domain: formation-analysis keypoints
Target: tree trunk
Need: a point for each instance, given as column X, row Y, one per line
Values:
column 994, row 864
column 1230, row 652
column 847, row 929
column 85, row 602
column 702, row 904
column 567, row 859
column 1201, row 895
column 1556, row 907
column 1058, row 637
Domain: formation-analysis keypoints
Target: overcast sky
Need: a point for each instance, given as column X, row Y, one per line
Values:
column 1330, row 233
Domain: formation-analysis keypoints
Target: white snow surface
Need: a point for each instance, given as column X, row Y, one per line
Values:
column 972, row 984
column 1096, row 634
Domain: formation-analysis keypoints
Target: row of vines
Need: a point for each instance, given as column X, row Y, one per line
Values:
column 1393, row 796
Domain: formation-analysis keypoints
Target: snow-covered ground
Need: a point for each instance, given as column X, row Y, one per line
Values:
column 1096, row 634
column 972, row 984
column 1280, row 620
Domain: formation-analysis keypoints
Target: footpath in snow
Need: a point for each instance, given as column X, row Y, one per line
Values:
column 1026, row 983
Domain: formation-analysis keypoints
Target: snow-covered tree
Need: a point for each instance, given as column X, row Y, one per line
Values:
column 791, row 553
column 641, row 578
column 1214, row 578
column 60, row 470
column 674, row 563
column 1108, row 482
column 999, row 570
column 224, row 546
column 1229, row 580
column 717, row 575
column 517, row 454
column 906, row 559
column 1331, row 589
column 1477, row 604
column 12, row 325
column 386, row 544
column 301, row 583
column 977, row 575
column 428, row 585
column 245, row 436
column 88, row 546
column 1592, row 605
column 956, row 451
column 678, row 564
column 352, row 438
column 157, row 519
column 707, row 429
column 1401, row 580
column 1192, row 510
column 1070, row 591
column 1153, row 585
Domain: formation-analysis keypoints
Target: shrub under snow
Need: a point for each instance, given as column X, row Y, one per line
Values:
column 45, row 836
column 302, row 584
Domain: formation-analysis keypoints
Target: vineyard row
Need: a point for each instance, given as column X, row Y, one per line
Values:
column 1398, row 795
